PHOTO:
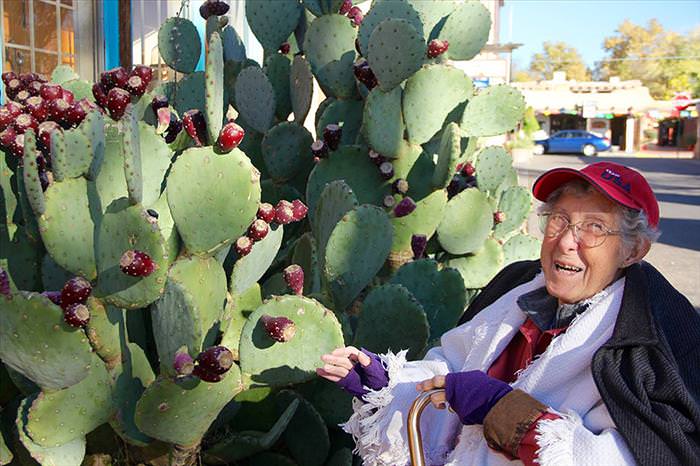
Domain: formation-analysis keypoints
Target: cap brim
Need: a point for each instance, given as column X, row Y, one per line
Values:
column 551, row 180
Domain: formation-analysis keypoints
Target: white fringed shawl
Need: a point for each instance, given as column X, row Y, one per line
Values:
column 560, row 378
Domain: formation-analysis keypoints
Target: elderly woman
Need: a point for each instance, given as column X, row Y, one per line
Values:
column 585, row 357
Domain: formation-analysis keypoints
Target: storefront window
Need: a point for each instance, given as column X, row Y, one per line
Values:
column 38, row 35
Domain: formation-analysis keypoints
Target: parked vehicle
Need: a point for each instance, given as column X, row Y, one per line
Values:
column 572, row 141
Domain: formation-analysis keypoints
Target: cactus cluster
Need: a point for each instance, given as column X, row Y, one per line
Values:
column 175, row 262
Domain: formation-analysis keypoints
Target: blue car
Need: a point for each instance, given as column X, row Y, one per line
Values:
column 572, row 141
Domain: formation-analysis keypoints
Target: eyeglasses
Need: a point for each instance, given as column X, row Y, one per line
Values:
column 589, row 233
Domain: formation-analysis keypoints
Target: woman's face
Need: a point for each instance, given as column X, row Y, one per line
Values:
column 572, row 271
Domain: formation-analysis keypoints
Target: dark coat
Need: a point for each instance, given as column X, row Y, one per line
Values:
column 648, row 372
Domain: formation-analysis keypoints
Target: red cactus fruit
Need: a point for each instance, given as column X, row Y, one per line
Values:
column 243, row 246
column 196, row 126
column 100, row 94
column 284, row 212
column 285, row 48
column 136, row 86
column 6, row 117
column 50, row 91
column 299, row 210
column 8, row 76
column 364, row 74
column 331, row 136
column 419, row 243
column 159, row 101
column 75, row 114
column 7, row 137
column 57, row 110
column 319, row 149
column 280, row 328
column 76, row 315
column 37, row 108
column 22, row 97
column 34, row 87
column 399, row 186
column 4, row 278
column 67, row 96
column 75, row 290
column 499, row 217
column 144, row 72
column 405, row 207
column 13, row 88
column 25, row 122
column 437, row 47
column 183, row 363
column 44, row 134
column 345, row 7
column 467, row 169
column 356, row 16
column 230, row 137
column 116, row 77
column 173, row 130
column 216, row 359
column 266, row 212
column 137, row 263
column 258, row 230
column 294, row 278
column 117, row 101
column 206, row 376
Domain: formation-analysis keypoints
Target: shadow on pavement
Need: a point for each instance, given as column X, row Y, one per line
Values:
column 678, row 232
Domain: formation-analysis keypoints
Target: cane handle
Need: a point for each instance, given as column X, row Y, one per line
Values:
column 415, row 442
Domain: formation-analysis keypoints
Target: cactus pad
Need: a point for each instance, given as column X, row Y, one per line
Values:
column 335, row 201
column 214, row 87
column 63, row 73
column 255, row 97
column 395, row 51
column 479, row 268
column 34, row 340
column 387, row 9
column 467, row 30
column 189, row 93
column 322, row 7
column 331, row 60
column 155, row 161
column 493, row 111
column 521, row 247
column 515, row 203
column 467, row 222
column 287, row 151
column 440, row 292
column 271, row 363
column 213, row 198
column 306, row 424
column 83, row 407
column 71, row 153
column 189, row 312
column 129, row 228
column 248, row 269
column 103, row 331
column 30, row 173
column 131, row 150
column 180, row 411
column 448, row 155
column 272, row 22
column 422, row 221
column 67, row 226
column 429, row 97
column 345, row 113
column 356, row 251
column 278, row 70
column 383, row 124
column 301, row 88
column 234, row 48
column 492, row 165
column 179, row 44
column 392, row 319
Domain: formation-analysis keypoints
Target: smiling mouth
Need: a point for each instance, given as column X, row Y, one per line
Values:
column 567, row 268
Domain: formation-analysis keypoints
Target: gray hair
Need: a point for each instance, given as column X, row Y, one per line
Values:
column 634, row 225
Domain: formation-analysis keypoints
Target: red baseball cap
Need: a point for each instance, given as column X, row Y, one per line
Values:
column 617, row 182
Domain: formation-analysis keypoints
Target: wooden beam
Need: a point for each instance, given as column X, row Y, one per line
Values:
column 125, row 53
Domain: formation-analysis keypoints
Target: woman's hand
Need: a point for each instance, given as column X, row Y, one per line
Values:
column 340, row 362
column 437, row 399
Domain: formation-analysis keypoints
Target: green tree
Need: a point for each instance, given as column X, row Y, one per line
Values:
column 664, row 61
column 558, row 56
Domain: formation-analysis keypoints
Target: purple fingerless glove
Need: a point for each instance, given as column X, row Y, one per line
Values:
column 373, row 376
column 472, row 394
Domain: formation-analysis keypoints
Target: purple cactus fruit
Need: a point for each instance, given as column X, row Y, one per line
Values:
column 75, row 114
column 284, row 212
column 356, row 16
column 9, row 76
column 319, row 149
column 294, row 278
column 136, row 86
column 418, row 245
column 7, row 137
column 399, row 186
column 137, row 263
column 76, row 315
column 437, row 47
column 376, row 157
column 386, row 169
column 100, row 94
column 117, row 100
column 331, row 135
column 499, row 217
column 75, row 290
column 13, row 88
column 216, row 359
column 456, row 186
column 405, row 207
column 44, row 134
column 173, row 130
column 25, row 122
column 54, row 296
column 152, row 212
column 213, row 7
column 258, row 230
column 364, row 74
column 345, row 7
column 285, row 48
column 389, row 201
column 36, row 108
column 243, row 246
column 159, row 101
column 4, row 283
column 266, row 212
column 299, row 210
column 196, row 126
column 207, row 376
column 280, row 328
column 183, row 362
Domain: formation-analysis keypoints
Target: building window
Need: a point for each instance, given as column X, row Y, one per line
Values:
column 38, row 35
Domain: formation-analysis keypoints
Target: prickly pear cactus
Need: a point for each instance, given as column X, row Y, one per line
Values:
column 171, row 270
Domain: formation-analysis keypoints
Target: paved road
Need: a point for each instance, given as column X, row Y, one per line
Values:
column 676, row 183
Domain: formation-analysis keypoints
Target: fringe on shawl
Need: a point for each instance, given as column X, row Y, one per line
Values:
column 365, row 424
column 556, row 440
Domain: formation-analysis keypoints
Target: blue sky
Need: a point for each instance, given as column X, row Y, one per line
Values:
column 585, row 23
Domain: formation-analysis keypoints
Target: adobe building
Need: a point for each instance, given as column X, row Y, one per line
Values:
column 622, row 111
